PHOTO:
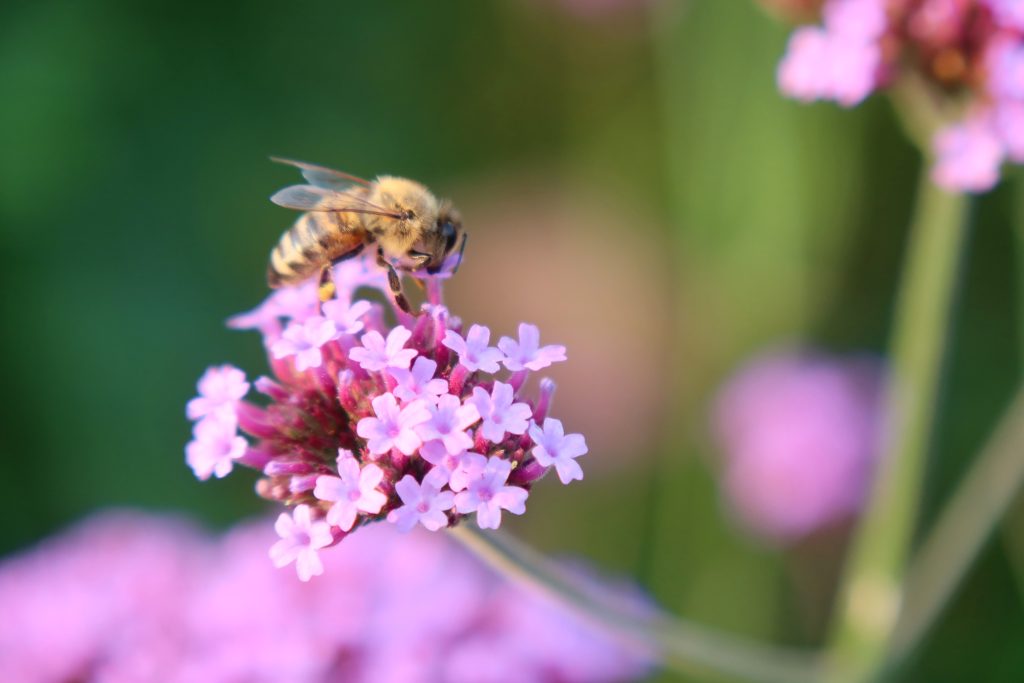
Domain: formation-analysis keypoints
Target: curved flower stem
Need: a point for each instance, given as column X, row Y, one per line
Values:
column 962, row 529
column 870, row 596
column 681, row 646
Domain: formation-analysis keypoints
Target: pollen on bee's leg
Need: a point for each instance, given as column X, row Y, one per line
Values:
column 326, row 291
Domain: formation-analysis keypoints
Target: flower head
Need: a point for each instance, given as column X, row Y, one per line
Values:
column 799, row 435
column 970, row 51
column 423, row 417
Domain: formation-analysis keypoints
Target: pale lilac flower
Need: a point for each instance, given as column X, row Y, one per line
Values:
column 803, row 73
column 348, row 318
column 419, row 382
column 1010, row 13
column 863, row 20
column 968, row 156
column 823, row 65
column 454, row 470
column 527, row 353
column 421, row 503
column 220, row 388
column 799, row 435
column 301, row 538
column 554, row 448
column 215, row 448
column 474, row 352
column 352, row 491
column 296, row 303
column 499, row 413
column 448, row 423
column 487, row 495
column 304, row 341
column 376, row 354
column 393, row 427
column 1009, row 122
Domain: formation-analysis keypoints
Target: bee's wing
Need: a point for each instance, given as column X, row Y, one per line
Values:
column 323, row 177
column 310, row 198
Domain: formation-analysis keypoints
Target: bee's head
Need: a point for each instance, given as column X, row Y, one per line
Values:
column 444, row 239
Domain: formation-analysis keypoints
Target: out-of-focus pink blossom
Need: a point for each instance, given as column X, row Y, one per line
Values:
column 970, row 50
column 128, row 597
column 799, row 435
column 304, row 341
column 348, row 318
column 301, row 538
column 215, row 448
column 968, row 156
column 220, row 388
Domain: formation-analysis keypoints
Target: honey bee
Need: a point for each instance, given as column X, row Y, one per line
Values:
column 411, row 228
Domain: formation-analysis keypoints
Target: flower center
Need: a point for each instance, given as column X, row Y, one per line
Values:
column 485, row 494
column 354, row 495
column 423, row 507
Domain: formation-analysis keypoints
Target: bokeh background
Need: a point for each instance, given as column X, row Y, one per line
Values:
column 633, row 183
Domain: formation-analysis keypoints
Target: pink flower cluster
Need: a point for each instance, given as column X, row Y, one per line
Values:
column 129, row 598
column 799, row 434
column 420, row 423
column 971, row 48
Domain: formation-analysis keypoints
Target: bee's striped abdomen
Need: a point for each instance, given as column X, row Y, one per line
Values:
column 311, row 243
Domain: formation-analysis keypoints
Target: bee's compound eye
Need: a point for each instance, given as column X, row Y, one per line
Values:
column 448, row 234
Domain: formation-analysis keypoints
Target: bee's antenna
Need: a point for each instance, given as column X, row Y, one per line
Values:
column 462, row 249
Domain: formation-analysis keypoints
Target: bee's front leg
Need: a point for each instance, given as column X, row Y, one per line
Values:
column 394, row 282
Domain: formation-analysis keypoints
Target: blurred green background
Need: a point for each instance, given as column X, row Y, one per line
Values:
column 632, row 182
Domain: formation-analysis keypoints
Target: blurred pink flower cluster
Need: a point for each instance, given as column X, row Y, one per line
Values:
column 799, row 434
column 421, row 423
column 970, row 50
column 129, row 598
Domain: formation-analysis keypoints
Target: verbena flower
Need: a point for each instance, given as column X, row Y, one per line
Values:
column 799, row 435
column 432, row 423
column 125, row 597
column 971, row 51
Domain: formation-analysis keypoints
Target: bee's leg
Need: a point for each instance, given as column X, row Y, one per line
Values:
column 394, row 282
column 326, row 287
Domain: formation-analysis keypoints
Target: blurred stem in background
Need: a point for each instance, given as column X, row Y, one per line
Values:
column 679, row 645
column 870, row 596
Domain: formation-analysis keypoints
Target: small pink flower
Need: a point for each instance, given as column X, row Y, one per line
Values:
column 1009, row 121
column 220, row 388
column 527, row 353
column 423, row 503
column 297, row 303
column 352, row 492
column 1009, row 13
column 474, row 352
column 301, row 537
column 499, row 413
column 419, row 382
column 304, row 340
column 487, row 495
column 556, row 449
column 864, row 20
column 376, row 354
column 215, row 448
column 803, row 74
column 348, row 319
column 968, row 156
column 454, row 470
column 393, row 427
column 448, row 422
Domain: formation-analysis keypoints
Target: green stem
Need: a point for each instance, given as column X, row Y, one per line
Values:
column 681, row 646
column 962, row 530
column 870, row 596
